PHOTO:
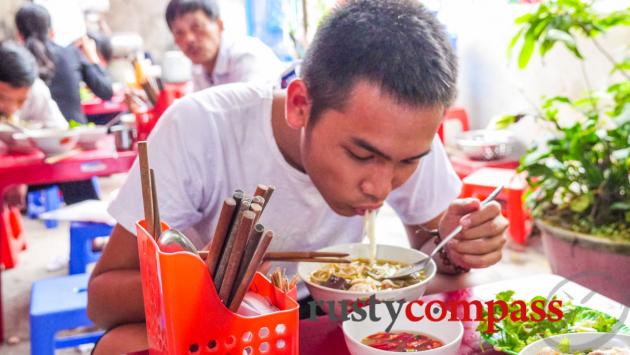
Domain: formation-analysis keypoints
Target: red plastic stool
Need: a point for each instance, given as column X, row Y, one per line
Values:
column 12, row 237
column 480, row 184
column 454, row 114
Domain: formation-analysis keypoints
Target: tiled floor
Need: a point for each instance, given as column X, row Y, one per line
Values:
column 47, row 247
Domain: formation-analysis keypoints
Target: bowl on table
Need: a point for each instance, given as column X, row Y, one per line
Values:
column 15, row 141
column 485, row 144
column 579, row 342
column 324, row 295
column 448, row 332
column 89, row 136
column 51, row 140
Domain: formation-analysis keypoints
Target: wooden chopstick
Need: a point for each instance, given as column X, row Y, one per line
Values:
column 218, row 241
column 261, row 190
column 234, row 260
column 316, row 257
column 257, row 209
column 251, row 271
column 145, row 181
column 312, row 260
column 305, row 254
column 268, row 194
column 157, row 223
column 250, row 249
column 243, row 206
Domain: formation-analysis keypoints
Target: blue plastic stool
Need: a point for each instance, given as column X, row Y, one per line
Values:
column 41, row 201
column 59, row 304
column 49, row 199
column 82, row 234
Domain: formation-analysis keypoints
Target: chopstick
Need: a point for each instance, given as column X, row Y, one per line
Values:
column 53, row 159
column 314, row 257
column 308, row 256
column 240, row 241
column 303, row 254
column 250, row 249
column 251, row 271
column 242, row 206
column 218, row 241
column 145, row 180
column 261, row 190
column 268, row 194
column 312, row 260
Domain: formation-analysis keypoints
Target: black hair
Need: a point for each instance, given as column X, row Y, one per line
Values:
column 33, row 23
column 177, row 8
column 17, row 66
column 103, row 45
column 396, row 44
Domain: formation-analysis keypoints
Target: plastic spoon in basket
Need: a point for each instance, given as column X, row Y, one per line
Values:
column 420, row 265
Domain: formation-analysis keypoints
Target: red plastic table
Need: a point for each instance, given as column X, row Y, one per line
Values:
column 322, row 336
column 96, row 106
column 31, row 169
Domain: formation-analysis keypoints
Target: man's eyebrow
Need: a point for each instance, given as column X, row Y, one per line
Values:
column 369, row 147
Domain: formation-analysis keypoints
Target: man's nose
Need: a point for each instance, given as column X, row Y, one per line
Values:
column 379, row 184
column 9, row 108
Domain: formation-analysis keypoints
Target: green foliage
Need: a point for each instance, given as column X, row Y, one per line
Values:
column 579, row 179
column 560, row 21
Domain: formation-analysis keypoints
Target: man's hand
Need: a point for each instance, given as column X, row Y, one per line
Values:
column 15, row 196
column 481, row 241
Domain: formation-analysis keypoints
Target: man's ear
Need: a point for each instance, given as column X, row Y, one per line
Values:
column 298, row 108
column 220, row 24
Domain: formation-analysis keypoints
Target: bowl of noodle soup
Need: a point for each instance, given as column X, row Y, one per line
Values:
column 330, row 284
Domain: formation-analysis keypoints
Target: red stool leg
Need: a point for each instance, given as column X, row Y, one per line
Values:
column 516, row 216
column 11, row 237
column 18, row 229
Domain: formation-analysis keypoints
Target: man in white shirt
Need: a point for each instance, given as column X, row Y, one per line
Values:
column 357, row 130
column 218, row 58
column 24, row 99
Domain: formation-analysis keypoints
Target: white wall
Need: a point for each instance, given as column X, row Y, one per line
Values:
column 489, row 85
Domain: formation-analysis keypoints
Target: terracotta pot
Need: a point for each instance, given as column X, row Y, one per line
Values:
column 595, row 262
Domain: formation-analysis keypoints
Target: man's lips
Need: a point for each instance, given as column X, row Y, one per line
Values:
column 361, row 210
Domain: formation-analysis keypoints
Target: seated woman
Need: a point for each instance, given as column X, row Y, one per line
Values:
column 63, row 69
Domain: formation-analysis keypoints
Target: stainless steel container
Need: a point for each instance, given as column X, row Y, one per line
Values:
column 485, row 144
column 123, row 137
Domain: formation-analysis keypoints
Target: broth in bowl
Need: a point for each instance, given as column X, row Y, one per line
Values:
column 361, row 275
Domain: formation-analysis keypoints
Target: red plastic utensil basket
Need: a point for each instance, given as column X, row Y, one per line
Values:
column 185, row 316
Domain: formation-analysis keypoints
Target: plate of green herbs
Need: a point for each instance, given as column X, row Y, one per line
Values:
column 513, row 336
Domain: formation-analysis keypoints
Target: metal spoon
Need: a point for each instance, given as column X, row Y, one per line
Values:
column 420, row 265
column 172, row 241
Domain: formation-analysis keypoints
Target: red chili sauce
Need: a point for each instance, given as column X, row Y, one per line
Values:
column 401, row 341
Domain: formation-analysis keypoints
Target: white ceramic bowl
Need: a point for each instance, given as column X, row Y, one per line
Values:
column 358, row 250
column 15, row 142
column 580, row 342
column 448, row 332
column 89, row 136
column 54, row 141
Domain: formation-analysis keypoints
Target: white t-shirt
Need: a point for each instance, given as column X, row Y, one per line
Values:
column 40, row 110
column 240, row 59
column 215, row 141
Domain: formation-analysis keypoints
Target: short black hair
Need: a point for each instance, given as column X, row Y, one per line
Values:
column 17, row 65
column 396, row 44
column 177, row 8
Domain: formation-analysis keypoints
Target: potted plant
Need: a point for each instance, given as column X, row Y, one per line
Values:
column 579, row 182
